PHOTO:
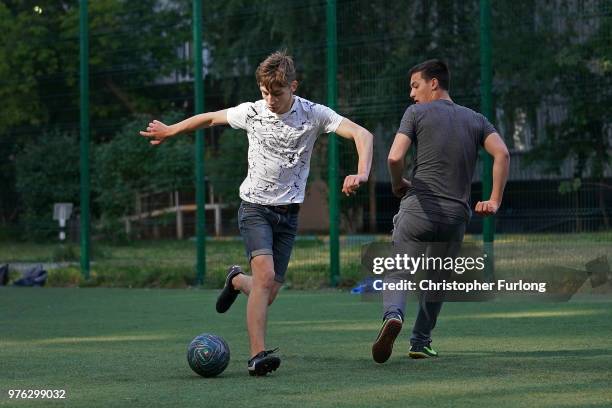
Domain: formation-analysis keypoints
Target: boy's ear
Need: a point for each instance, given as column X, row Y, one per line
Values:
column 434, row 84
column 293, row 85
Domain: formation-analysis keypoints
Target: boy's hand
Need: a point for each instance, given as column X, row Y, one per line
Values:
column 158, row 132
column 352, row 183
column 400, row 189
column 485, row 208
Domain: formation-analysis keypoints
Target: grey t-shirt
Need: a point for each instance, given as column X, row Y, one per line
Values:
column 446, row 138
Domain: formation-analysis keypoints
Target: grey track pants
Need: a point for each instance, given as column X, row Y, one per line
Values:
column 415, row 236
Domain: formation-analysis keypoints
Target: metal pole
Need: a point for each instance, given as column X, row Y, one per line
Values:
column 200, row 181
column 333, row 159
column 84, row 129
column 486, row 102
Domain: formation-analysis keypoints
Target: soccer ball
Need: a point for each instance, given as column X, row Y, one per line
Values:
column 208, row 355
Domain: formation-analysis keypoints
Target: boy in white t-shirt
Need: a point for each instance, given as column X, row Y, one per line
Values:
column 282, row 129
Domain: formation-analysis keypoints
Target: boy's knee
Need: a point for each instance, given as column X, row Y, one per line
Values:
column 264, row 279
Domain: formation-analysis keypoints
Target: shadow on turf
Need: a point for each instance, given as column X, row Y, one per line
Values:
column 195, row 377
column 400, row 359
column 587, row 352
column 226, row 375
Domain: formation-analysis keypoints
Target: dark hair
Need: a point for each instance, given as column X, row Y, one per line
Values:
column 433, row 68
column 276, row 70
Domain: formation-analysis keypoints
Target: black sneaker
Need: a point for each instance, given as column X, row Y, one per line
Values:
column 423, row 351
column 228, row 294
column 263, row 363
column 383, row 346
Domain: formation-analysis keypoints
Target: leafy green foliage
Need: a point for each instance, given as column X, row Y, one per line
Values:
column 564, row 72
column 23, row 63
column 47, row 172
column 128, row 165
column 544, row 54
column 131, row 45
column 227, row 167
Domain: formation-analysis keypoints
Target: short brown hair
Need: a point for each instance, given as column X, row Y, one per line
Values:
column 276, row 71
column 434, row 68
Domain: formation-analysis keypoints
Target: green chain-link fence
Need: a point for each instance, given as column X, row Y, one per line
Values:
column 551, row 64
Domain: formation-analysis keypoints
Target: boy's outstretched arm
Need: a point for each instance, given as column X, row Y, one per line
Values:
column 159, row 132
column 364, row 143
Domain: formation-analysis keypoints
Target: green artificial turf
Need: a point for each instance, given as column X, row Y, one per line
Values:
column 127, row 347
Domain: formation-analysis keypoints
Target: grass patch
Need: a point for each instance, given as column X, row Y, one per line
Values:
column 119, row 347
column 172, row 264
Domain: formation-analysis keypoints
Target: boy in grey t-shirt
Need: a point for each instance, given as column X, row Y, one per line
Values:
column 435, row 206
column 446, row 138
column 282, row 129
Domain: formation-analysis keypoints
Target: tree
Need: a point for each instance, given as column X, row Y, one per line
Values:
column 132, row 46
column 582, row 60
column 47, row 172
column 128, row 166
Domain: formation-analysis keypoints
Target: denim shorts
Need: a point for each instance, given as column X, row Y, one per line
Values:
column 268, row 232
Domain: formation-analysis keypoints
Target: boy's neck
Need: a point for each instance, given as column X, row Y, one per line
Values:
column 288, row 107
column 441, row 95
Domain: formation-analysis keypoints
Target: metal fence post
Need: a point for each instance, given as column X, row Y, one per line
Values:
column 486, row 103
column 333, row 159
column 199, row 150
column 84, row 130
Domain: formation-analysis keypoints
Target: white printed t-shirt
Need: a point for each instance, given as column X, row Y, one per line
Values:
column 280, row 147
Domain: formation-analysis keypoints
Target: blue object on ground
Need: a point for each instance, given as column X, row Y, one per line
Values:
column 365, row 286
column 36, row 276
column 3, row 275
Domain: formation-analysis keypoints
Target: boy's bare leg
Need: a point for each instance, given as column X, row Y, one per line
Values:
column 261, row 289
column 244, row 283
